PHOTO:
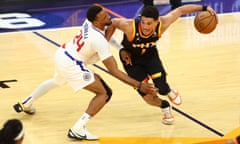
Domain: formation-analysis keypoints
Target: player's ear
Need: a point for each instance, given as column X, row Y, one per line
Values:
column 156, row 22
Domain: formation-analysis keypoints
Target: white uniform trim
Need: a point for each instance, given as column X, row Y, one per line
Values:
column 20, row 135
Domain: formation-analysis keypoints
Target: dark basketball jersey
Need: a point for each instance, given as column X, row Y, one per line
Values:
column 140, row 44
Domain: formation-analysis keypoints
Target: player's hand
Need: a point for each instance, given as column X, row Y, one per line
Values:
column 213, row 12
column 126, row 57
column 148, row 89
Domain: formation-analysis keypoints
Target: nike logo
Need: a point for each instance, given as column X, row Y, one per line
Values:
column 80, row 137
column 76, row 135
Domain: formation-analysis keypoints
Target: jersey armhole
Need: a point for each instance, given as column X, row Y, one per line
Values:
column 134, row 31
column 159, row 28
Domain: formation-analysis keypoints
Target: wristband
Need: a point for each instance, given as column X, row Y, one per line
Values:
column 204, row 8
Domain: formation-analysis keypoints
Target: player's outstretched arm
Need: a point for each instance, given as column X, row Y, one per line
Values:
column 173, row 15
column 111, row 64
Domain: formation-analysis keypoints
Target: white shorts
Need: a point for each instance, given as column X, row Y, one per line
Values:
column 67, row 70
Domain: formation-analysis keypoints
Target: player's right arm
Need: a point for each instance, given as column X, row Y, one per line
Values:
column 111, row 64
column 123, row 24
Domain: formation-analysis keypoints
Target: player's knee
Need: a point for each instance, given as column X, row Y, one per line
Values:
column 122, row 50
column 164, row 104
column 108, row 90
column 163, row 90
column 162, row 85
column 109, row 94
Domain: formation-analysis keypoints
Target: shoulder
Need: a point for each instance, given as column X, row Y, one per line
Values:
column 96, row 34
column 122, row 22
column 96, row 40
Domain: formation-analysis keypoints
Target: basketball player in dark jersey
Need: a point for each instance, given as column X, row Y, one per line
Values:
column 139, row 54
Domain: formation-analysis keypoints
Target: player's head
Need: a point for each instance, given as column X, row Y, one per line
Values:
column 97, row 15
column 150, row 12
column 12, row 132
column 238, row 139
column 149, row 19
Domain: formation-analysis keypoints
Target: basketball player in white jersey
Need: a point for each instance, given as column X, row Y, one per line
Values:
column 87, row 47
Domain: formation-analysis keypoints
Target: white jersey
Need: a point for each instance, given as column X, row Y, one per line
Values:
column 89, row 45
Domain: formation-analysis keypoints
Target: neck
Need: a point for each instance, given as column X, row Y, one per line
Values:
column 100, row 27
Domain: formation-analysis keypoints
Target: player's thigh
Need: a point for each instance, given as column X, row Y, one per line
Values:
column 74, row 74
column 155, row 66
column 137, row 72
column 96, row 86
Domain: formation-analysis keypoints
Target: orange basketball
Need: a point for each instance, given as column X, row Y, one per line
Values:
column 204, row 22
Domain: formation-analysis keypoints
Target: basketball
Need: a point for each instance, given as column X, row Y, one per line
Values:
column 204, row 22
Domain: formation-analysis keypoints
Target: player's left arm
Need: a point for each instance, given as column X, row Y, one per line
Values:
column 116, row 23
column 173, row 15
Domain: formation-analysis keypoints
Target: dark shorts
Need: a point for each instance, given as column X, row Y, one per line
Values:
column 146, row 65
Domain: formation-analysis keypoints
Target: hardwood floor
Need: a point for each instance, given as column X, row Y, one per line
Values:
column 204, row 68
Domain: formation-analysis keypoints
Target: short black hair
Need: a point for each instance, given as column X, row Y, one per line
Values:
column 238, row 139
column 150, row 12
column 10, row 131
column 92, row 12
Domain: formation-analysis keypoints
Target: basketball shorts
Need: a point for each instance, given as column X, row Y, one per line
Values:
column 69, row 70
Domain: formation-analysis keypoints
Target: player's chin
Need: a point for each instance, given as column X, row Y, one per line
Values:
column 109, row 23
column 146, row 32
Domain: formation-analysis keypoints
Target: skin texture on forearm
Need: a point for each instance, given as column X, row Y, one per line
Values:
column 111, row 65
column 172, row 16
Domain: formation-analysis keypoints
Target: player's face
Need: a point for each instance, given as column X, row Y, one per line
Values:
column 104, row 18
column 148, row 25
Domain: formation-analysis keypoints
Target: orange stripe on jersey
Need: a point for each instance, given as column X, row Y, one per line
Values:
column 156, row 75
column 159, row 29
column 134, row 31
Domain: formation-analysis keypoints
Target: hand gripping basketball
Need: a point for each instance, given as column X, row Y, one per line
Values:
column 206, row 21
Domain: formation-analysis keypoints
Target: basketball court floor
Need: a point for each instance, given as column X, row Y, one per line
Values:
column 203, row 67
